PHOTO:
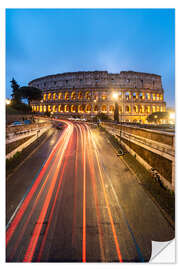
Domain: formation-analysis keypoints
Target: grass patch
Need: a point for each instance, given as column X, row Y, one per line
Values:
column 164, row 197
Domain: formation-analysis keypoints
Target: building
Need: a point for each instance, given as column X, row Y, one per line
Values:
column 87, row 93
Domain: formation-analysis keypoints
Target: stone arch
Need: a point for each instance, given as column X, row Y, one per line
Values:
column 120, row 109
column 59, row 108
column 80, row 108
column 73, row 95
column 54, row 108
column 60, row 95
column 88, row 108
column 54, row 96
column 153, row 108
column 73, row 108
column 135, row 108
column 87, row 95
column 95, row 108
column 66, row 108
column 127, row 95
column 127, row 108
column 49, row 96
column 104, row 108
column 111, row 108
column 80, row 95
column 67, row 96
column 146, row 109
column 134, row 95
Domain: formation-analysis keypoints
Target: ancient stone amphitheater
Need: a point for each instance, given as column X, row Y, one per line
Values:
column 88, row 93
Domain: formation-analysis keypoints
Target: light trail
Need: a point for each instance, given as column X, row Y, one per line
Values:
column 84, row 195
column 36, row 232
column 75, row 187
column 123, row 214
column 37, row 198
column 93, row 181
column 25, row 203
column 54, row 202
column 107, row 202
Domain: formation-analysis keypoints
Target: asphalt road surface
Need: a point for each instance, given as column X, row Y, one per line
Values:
column 74, row 200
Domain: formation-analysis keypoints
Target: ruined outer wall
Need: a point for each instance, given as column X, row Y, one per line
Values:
column 124, row 79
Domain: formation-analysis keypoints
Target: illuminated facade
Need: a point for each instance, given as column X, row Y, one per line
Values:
column 87, row 93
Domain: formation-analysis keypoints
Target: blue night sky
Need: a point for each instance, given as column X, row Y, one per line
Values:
column 41, row 42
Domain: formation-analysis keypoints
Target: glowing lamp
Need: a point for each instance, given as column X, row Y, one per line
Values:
column 115, row 96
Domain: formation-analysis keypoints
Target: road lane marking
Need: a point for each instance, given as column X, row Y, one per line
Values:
column 123, row 214
column 92, row 172
column 84, row 195
column 107, row 203
column 75, row 186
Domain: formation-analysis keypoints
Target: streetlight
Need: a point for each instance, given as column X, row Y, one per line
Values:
column 8, row 101
column 172, row 117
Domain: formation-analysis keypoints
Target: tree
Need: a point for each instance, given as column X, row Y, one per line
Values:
column 116, row 112
column 156, row 117
column 16, row 95
column 30, row 93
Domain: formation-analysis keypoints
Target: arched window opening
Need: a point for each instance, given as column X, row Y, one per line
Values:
column 73, row 95
column 49, row 96
column 88, row 108
column 54, row 96
column 66, row 96
column 80, row 96
column 66, row 109
column 127, row 109
column 73, row 108
column 111, row 108
column 87, row 95
column 95, row 108
column 104, row 108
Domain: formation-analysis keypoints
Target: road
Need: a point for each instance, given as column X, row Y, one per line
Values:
column 74, row 200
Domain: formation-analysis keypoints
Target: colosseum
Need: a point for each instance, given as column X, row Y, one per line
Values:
column 85, row 94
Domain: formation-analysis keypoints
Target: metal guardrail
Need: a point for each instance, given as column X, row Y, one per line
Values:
column 154, row 145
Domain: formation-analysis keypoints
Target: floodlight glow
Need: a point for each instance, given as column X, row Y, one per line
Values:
column 172, row 115
column 8, row 101
column 115, row 95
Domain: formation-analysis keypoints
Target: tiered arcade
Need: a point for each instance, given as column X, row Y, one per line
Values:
column 87, row 93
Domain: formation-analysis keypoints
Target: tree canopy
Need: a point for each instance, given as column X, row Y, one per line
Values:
column 30, row 93
column 157, row 116
column 16, row 95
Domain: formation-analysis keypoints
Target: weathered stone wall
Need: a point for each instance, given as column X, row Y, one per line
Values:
column 127, row 79
column 161, row 164
column 148, row 134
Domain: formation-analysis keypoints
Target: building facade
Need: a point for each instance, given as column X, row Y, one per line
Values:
column 88, row 93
